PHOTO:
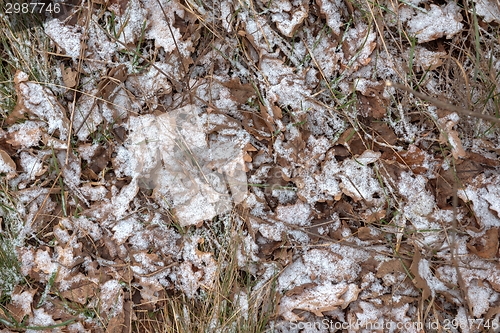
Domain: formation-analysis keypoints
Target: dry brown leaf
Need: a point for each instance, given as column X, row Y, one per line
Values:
column 444, row 184
column 485, row 246
column 82, row 293
column 372, row 217
column 21, row 303
column 450, row 136
column 240, row 92
column 19, row 109
column 69, row 76
column 116, row 324
column 7, row 165
column 418, row 281
column 288, row 26
column 415, row 158
column 371, row 107
column 248, row 148
column 371, row 101
column 256, row 125
column 481, row 159
column 110, row 82
column 249, row 46
column 319, row 299
column 391, row 266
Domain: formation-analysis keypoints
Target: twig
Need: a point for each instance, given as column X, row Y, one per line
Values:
column 443, row 105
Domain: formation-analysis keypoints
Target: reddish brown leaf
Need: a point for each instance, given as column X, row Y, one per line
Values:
column 485, row 246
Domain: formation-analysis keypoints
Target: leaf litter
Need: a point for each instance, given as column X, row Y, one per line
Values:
column 366, row 212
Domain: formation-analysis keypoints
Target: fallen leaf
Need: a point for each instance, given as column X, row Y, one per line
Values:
column 318, row 299
column 371, row 100
column 485, row 246
column 81, row 294
column 418, row 281
column 7, row 165
column 240, row 92
column 425, row 25
column 289, row 17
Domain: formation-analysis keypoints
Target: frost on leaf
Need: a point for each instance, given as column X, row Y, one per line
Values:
column 358, row 46
column 332, row 10
column 485, row 198
column 7, row 165
column 66, row 37
column 171, row 155
column 427, row 60
column 489, row 10
column 40, row 103
column 318, row 282
column 199, row 268
column 358, row 179
column 436, row 23
column 87, row 117
column 167, row 37
column 111, row 303
column 450, row 135
column 21, row 303
column 319, row 299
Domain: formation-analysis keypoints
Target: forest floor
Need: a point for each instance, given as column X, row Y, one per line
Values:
column 249, row 166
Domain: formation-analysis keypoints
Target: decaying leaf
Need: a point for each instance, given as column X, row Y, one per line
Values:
column 288, row 16
column 450, row 136
column 319, row 299
column 424, row 26
column 417, row 279
column 69, row 76
column 173, row 148
column 371, row 101
column 485, row 246
column 39, row 103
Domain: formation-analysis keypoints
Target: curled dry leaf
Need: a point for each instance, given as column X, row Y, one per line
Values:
column 288, row 16
column 449, row 135
column 424, row 26
column 7, row 165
